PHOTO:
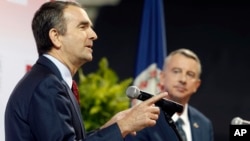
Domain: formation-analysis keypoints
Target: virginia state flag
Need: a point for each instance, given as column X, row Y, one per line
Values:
column 152, row 47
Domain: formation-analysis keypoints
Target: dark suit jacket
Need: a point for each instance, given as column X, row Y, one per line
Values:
column 42, row 108
column 201, row 127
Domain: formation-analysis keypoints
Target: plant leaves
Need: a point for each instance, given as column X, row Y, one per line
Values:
column 101, row 95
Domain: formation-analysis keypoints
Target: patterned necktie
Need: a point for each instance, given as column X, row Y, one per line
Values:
column 179, row 124
column 75, row 91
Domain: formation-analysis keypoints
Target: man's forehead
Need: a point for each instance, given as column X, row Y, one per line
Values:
column 78, row 13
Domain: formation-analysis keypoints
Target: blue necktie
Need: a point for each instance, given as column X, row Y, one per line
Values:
column 179, row 124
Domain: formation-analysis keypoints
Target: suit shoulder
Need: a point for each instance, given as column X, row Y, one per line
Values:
column 195, row 113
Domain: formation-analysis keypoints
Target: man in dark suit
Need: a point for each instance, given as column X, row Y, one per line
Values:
column 42, row 106
column 180, row 77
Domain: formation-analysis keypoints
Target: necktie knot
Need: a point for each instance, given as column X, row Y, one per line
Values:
column 179, row 122
column 182, row 133
column 75, row 91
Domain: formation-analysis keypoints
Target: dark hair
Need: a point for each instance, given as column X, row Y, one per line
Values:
column 48, row 16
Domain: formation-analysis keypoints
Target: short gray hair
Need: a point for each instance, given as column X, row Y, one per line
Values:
column 186, row 52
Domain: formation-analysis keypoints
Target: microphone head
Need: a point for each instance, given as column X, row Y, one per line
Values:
column 237, row 121
column 133, row 92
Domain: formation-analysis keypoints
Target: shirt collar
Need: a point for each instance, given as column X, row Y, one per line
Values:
column 183, row 116
column 65, row 73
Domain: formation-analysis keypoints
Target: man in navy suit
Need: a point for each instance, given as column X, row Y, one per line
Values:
column 42, row 106
column 180, row 77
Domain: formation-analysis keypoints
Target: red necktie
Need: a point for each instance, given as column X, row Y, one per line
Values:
column 75, row 91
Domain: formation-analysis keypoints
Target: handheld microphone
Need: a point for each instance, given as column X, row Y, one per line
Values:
column 239, row 121
column 168, row 106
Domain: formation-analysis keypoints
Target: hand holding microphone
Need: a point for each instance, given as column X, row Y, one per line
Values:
column 139, row 116
column 168, row 106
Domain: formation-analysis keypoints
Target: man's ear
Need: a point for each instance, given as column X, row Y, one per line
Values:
column 55, row 38
column 161, row 80
column 197, row 85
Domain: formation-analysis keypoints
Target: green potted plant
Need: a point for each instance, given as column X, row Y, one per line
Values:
column 102, row 95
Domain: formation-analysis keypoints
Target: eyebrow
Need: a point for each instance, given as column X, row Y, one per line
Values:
column 84, row 23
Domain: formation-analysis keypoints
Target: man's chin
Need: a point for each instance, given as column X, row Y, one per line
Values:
column 86, row 60
column 89, row 59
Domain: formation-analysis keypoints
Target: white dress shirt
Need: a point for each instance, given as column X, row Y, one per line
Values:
column 186, row 125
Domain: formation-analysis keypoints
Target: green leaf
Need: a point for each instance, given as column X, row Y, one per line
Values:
column 102, row 95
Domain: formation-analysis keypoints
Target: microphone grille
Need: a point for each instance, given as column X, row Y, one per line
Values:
column 133, row 92
column 236, row 121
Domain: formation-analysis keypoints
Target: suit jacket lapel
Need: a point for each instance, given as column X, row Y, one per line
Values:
column 195, row 125
column 46, row 62
column 76, row 107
